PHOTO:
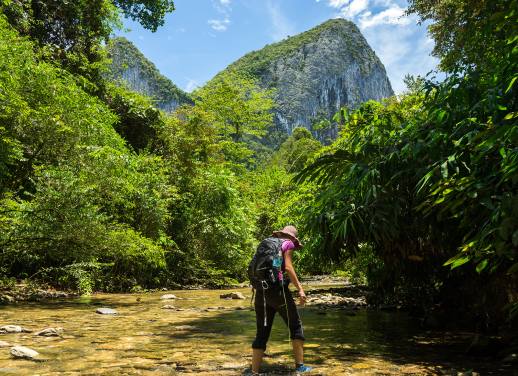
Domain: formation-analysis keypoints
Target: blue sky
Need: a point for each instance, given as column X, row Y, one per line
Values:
column 202, row 37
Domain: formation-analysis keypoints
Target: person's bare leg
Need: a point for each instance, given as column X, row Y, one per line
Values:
column 257, row 358
column 298, row 350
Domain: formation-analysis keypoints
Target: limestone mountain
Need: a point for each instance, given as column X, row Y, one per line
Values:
column 317, row 72
column 135, row 71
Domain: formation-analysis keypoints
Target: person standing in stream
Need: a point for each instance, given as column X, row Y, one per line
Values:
column 267, row 271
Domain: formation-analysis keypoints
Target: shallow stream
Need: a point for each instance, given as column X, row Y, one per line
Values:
column 212, row 336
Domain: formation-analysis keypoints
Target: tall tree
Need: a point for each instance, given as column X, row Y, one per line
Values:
column 73, row 30
column 467, row 32
column 238, row 109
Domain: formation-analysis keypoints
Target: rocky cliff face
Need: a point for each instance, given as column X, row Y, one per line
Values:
column 318, row 72
column 131, row 68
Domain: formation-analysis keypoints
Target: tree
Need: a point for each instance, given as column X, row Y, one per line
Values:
column 238, row 109
column 72, row 31
column 297, row 150
column 467, row 32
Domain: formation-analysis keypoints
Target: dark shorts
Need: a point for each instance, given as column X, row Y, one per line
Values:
column 275, row 302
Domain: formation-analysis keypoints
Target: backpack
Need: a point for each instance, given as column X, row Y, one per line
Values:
column 265, row 267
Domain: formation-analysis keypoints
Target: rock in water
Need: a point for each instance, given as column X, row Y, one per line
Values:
column 4, row 344
column 168, row 306
column 50, row 332
column 13, row 329
column 168, row 297
column 233, row 295
column 24, row 353
column 317, row 72
column 184, row 327
column 106, row 311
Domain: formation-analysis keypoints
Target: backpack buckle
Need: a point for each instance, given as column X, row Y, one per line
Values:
column 264, row 285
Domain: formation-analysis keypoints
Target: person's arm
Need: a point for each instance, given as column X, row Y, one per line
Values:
column 290, row 269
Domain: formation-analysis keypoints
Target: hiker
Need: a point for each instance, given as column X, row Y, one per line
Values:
column 267, row 272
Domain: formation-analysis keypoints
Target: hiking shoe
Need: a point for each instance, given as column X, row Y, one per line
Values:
column 302, row 368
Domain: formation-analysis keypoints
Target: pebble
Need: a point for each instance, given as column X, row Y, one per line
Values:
column 168, row 306
column 50, row 332
column 185, row 327
column 168, row 297
column 24, row 352
column 233, row 295
column 106, row 311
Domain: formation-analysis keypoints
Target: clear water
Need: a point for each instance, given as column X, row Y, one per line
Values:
column 211, row 336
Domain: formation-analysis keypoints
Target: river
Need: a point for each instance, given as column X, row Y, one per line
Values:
column 206, row 335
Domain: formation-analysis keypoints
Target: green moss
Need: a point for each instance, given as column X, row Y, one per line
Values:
column 125, row 56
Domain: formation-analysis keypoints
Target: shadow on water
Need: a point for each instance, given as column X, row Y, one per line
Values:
column 351, row 339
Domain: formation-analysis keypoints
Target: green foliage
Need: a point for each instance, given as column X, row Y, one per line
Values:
column 138, row 120
column 297, row 150
column 237, row 106
column 211, row 219
column 472, row 177
column 468, row 32
column 72, row 32
column 150, row 13
column 72, row 193
column 44, row 112
column 219, row 228
column 239, row 110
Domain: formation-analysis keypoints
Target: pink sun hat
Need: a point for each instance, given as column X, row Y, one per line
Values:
column 289, row 232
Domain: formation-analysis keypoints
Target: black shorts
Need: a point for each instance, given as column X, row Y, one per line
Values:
column 275, row 302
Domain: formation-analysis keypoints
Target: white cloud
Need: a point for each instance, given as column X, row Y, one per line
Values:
column 219, row 25
column 354, row 8
column 281, row 25
column 223, row 8
column 403, row 50
column 338, row 3
column 390, row 16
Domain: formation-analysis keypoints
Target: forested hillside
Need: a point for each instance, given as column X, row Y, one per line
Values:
column 131, row 69
column 315, row 73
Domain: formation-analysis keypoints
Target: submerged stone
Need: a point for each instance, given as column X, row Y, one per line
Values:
column 22, row 352
column 4, row 344
column 233, row 295
column 50, row 332
column 106, row 311
column 168, row 297
column 185, row 327
column 13, row 329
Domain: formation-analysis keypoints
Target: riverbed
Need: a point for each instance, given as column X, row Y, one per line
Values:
column 202, row 334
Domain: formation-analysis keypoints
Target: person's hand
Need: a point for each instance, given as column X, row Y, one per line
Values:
column 302, row 297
